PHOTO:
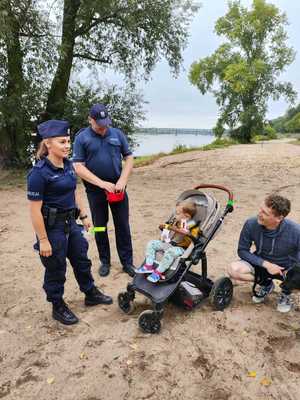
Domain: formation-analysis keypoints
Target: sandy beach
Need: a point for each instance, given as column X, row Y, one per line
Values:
column 247, row 352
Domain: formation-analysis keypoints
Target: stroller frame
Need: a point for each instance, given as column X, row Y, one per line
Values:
column 220, row 292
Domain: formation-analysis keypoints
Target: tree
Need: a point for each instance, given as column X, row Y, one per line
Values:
column 125, row 105
column 26, row 49
column 243, row 72
column 38, row 54
column 289, row 122
column 293, row 125
column 126, row 35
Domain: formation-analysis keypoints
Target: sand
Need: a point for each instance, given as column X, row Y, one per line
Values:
column 246, row 352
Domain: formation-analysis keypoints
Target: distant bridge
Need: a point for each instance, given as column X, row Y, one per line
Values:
column 174, row 131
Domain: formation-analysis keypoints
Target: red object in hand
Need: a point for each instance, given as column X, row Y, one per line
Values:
column 114, row 197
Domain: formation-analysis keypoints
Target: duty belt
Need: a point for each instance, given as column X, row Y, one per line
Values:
column 65, row 215
column 53, row 215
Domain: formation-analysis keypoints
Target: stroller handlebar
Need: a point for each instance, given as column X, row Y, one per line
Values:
column 211, row 186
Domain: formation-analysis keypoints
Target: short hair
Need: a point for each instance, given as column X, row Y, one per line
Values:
column 188, row 207
column 280, row 205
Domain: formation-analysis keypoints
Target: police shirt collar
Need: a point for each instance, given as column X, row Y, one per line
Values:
column 107, row 133
column 54, row 167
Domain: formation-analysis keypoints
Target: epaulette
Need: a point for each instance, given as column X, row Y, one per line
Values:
column 80, row 130
column 39, row 164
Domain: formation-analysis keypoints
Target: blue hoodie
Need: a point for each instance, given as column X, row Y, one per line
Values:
column 280, row 246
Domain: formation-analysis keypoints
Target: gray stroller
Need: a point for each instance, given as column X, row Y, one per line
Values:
column 180, row 285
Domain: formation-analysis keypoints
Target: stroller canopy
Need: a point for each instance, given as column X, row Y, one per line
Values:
column 208, row 209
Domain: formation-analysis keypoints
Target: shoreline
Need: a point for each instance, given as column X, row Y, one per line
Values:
column 17, row 176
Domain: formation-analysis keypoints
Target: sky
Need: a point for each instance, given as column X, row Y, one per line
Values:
column 175, row 103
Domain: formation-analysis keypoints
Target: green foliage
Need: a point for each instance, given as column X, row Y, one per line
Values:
column 180, row 148
column 242, row 73
column 26, row 62
column 267, row 133
column 293, row 125
column 270, row 132
column 219, row 144
column 127, row 36
column 132, row 35
column 289, row 123
column 42, row 43
column 125, row 106
column 148, row 160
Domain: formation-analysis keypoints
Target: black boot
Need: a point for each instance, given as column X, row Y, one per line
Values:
column 129, row 269
column 104, row 269
column 63, row 314
column 94, row 296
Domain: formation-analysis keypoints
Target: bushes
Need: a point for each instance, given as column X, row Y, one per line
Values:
column 293, row 125
column 268, row 133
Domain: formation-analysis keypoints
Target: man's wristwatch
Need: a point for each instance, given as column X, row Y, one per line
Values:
column 83, row 217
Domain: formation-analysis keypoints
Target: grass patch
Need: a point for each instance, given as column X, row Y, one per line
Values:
column 182, row 148
column 219, row 144
column 216, row 144
column 262, row 138
column 147, row 160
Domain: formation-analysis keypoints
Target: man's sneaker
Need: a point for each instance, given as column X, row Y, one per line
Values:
column 94, row 296
column 284, row 303
column 129, row 269
column 104, row 269
column 263, row 293
column 145, row 269
column 63, row 314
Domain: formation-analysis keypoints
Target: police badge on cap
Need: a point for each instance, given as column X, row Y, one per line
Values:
column 100, row 114
column 54, row 128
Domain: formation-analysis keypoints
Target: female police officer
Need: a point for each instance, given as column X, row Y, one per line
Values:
column 53, row 203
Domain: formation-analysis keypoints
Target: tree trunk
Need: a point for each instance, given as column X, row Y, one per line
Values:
column 60, row 83
column 13, row 138
column 246, row 133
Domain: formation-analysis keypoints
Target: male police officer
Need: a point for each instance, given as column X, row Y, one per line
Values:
column 97, row 156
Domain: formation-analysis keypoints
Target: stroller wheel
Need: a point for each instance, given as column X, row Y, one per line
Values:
column 149, row 322
column 221, row 293
column 125, row 303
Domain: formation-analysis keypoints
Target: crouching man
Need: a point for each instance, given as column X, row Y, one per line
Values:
column 276, row 255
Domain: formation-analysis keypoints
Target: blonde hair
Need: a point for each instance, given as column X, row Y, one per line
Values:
column 42, row 151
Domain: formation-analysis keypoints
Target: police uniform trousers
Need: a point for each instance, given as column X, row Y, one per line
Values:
column 67, row 241
column 120, row 213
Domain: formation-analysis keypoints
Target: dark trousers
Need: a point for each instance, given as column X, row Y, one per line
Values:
column 120, row 212
column 264, row 278
column 64, row 245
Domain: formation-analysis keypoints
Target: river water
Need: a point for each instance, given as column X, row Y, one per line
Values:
column 152, row 144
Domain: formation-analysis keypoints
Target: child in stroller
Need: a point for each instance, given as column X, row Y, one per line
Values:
column 181, row 285
column 175, row 239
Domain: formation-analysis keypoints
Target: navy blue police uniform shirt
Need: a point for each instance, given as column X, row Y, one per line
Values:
column 102, row 155
column 53, row 185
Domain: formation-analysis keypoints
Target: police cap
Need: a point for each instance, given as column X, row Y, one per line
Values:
column 99, row 113
column 54, row 128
